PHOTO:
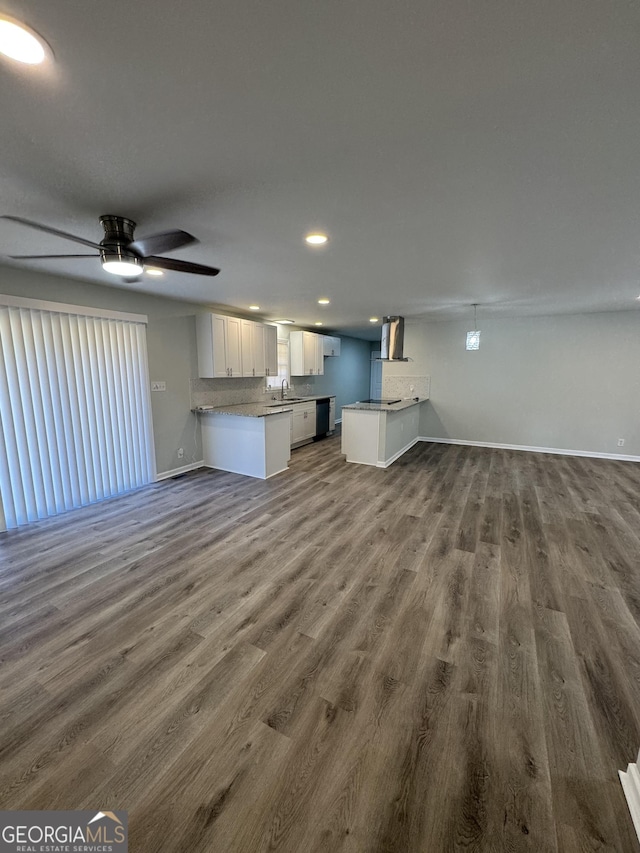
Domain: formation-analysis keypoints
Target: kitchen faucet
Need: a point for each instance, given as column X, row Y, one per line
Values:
column 284, row 382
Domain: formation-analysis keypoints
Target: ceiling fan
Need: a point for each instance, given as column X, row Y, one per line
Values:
column 120, row 253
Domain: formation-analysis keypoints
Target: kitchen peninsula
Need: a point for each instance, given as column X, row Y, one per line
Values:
column 251, row 439
column 379, row 432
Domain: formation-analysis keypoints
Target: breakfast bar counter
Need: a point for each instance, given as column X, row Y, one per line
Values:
column 379, row 432
column 250, row 439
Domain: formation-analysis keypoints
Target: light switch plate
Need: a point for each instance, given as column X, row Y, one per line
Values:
column 158, row 386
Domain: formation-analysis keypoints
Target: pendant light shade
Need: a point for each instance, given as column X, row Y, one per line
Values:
column 473, row 337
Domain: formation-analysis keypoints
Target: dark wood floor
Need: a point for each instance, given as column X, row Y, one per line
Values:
column 441, row 656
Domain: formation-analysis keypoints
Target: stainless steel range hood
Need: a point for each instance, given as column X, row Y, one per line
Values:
column 392, row 344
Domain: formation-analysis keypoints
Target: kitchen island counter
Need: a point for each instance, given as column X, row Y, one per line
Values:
column 396, row 406
column 250, row 439
column 245, row 410
column 379, row 433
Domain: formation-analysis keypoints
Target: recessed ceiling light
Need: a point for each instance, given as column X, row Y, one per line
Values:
column 374, row 319
column 153, row 271
column 21, row 43
column 316, row 239
column 324, row 301
column 317, row 324
column 284, row 322
column 254, row 307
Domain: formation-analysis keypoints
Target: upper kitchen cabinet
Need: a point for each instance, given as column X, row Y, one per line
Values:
column 331, row 345
column 271, row 350
column 219, row 346
column 253, row 348
column 307, row 351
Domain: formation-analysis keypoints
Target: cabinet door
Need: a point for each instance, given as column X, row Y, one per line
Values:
column 257, row 340
column 319, row 355
column 310, row 350
column 309, row 420
column 270, row 350
column 219, row 328
column 298, row 424
column 296, row 353
column 248, row 367
column 331, row 345
column 233, row 346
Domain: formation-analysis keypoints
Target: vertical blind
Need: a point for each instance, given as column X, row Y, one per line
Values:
column 74, row 411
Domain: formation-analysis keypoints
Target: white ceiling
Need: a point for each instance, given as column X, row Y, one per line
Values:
column 455, row 151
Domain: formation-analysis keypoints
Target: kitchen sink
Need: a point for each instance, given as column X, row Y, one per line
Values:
column 284, row 402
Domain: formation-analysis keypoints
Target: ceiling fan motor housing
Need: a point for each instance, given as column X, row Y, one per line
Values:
column 118, row 234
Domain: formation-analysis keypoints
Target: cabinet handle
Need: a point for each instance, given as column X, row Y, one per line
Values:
column 254, row 371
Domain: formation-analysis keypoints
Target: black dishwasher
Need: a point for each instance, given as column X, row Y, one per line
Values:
column 322, row 417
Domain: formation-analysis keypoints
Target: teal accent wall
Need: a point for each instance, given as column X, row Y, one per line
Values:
column 346, row 376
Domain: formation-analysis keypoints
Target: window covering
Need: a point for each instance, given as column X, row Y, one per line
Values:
column 75, row 417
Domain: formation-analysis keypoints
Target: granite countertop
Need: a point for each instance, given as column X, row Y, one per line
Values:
column 386, row 407
column 245, row 410
column 302, row 399
column 258, row 410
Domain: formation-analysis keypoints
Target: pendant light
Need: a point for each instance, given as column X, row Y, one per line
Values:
column 473, row 337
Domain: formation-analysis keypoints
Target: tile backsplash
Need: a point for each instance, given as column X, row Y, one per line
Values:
column 230, row 392
column 405, row 387
column 226, row 392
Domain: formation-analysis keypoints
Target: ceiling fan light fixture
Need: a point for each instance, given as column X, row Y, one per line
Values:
column 120, row 267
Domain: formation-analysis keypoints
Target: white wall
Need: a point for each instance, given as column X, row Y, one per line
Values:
column 563, row 382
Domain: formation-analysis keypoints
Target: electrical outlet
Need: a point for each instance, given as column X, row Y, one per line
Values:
column 158, row 386
column 180, row 452
column 621, row 442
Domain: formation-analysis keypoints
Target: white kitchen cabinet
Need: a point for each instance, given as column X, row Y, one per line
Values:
column 303, row 422
column 307, row 354
column 253, row 351
column 270, row 350
column 219, row 346
column 331, row 345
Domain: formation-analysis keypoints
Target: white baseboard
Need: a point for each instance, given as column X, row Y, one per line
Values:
column 557, row 450
column 176, row 471
column 631, row 787
column 397, row 455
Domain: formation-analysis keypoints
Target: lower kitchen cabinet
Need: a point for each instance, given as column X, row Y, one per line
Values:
column 303, row 422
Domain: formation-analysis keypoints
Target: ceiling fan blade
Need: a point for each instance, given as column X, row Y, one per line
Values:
column 48, row 230
column 179, row 266
column 158, row 244
column 32, row 257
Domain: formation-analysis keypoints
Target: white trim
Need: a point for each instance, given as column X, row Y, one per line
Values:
column 165, row 475
column 62, row 308
column 244, row 473
column 559, row 451
column 397, row 455
column 631, row 786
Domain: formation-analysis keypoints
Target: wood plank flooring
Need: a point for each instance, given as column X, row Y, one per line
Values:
column 440, row 656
